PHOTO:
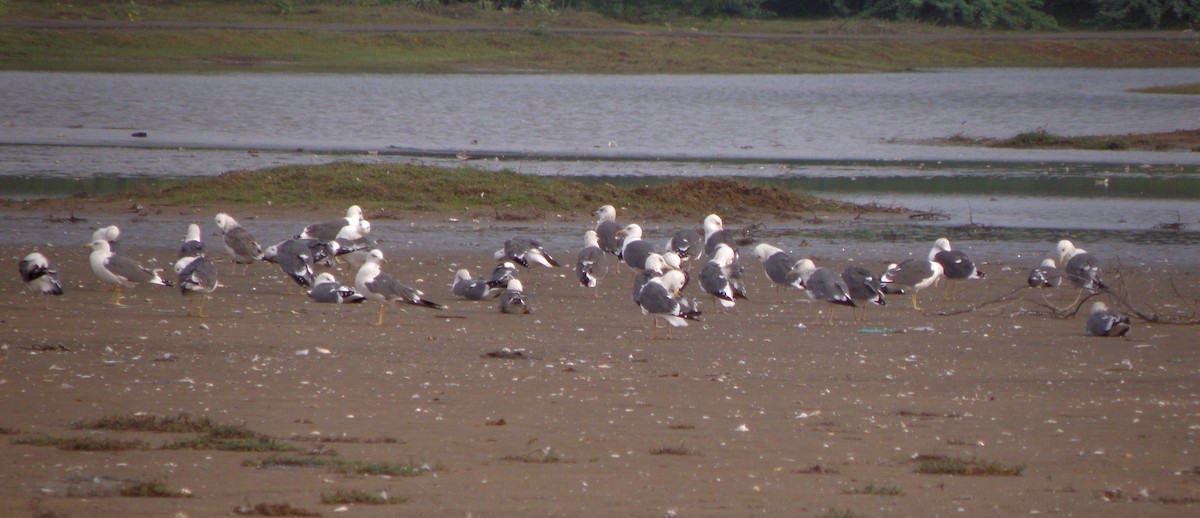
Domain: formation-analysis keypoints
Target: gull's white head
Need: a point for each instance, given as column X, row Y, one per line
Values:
column 514, row 285
column 591, row 239
column 763, row 251
column 324, row 277
column 606, row 213
column 632, row 232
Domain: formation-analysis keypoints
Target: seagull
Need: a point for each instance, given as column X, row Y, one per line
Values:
column 40, row 276
column 352, row 227
column 327, row 289
column 1045, row 276
column 717, row 277
column 864, row 288
column 381, row 287
column 655, row 266
column 955, row 265
column 197, row 275
column 240, row 245
column 824, row 284
column 109, row 233
column 779, row 266
column 687, row 243
column 295, row 258
column 466, row 287
column 523, row 250
column 1080, row 267
column 912, row 275
column 660, row 299
column 192, row 245
column 120, row 271
column 502, row 274
column 714, row 234
column 512, row 301
column 590, row 267
column 635, row 250
column 607, row 229
column 1106, row 322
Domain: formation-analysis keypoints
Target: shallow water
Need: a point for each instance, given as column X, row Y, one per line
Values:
column 840, row 136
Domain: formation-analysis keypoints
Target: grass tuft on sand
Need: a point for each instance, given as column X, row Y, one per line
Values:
column 357, row 496
column 82, row 443
column 265, row 509
column 178, row 423
column 874, row 490
column 340, row 466
column 429, row 188
column 152, row 489
column 944, row 465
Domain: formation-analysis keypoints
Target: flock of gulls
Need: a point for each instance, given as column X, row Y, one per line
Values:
column 660, row 275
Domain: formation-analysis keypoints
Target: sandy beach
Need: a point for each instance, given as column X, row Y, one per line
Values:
column 755, row 412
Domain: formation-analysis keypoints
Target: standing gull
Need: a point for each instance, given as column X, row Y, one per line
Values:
column 714, row 234
column 1080, row 267
column 512, row 301
column 120, row 271
column 654, row 267
column 467, row 287
column 1045, row 276
column 779, row 266
column 327, row 289
column 864, row 288
column 635, row 250
column 40, row 276
column 381, row 287
column 715, row 277
column 912, row 275
column 607, row 229
column 197, row 276
column 823, row 284
column 239, row 244
column 956, row 265
column 660, row 299
column 524, row 250
column 1106, row 322
column 192, row 245
column 590, row 267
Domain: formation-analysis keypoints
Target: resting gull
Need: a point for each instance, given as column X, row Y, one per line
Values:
column 372, row 283
column 512, row 301
column 823, row 284
column 687, row 243
column 327, row 289
column 1045, row 276
column 660, row 299
column 956, row 265
column 655, row 266
column 502, row 274
column 717, row 277
column 864, row 288
column 197, row 276
column 591, row 267
column 524, row 250
column 40, row 275
column 635, row 250
column 779, row 266
column 350, row 228
column 120, row 271
column 607, row 229
column 239, row 244
column 467, row 287
column 912, row 275
column 192, row 245
column 1080, row 267
column 1106, row 322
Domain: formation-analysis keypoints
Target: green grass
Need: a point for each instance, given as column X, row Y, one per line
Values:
column 335, row 465
column 874, row 490
column 356, row 496
column 673, row 450
column 209, row 442
column 178, row 423
column 430, row 188
column 151, row 489
column 82, row 443
column 944, row 465
column 1185, row 89
column 321, row 37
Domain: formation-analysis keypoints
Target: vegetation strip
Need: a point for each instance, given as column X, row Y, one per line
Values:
column 943, row 465
column 340, row 466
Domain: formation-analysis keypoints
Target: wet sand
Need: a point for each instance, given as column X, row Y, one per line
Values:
column 598, row 419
